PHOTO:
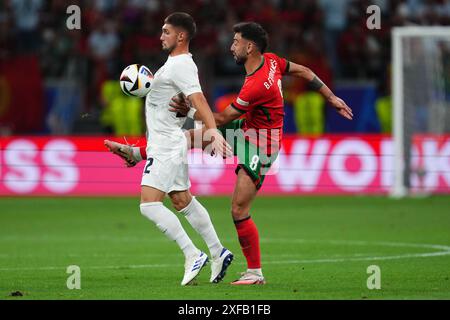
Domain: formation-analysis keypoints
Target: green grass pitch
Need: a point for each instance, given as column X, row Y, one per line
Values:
column 312, row 248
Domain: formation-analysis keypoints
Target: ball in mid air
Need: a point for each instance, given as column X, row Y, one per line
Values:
column 136, row 80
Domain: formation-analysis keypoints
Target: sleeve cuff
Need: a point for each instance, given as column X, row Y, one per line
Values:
column 240, row 110
column 190, row 91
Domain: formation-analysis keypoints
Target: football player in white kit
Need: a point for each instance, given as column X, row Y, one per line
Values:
column 166, row 168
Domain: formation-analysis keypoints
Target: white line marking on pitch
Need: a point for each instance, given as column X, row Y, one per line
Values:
column 445, row 251
column 127, row 255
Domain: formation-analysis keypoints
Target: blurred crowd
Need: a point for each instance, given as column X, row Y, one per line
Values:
column 329, row 36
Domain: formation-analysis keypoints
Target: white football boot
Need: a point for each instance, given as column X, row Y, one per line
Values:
column 193, row 266
column 248, row 278
column 220, row 265
column 125, row 151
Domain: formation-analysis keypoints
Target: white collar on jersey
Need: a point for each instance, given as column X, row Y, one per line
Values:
column 179, row 55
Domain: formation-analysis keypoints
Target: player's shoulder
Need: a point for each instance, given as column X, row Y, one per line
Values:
column 184, row 66
column 184, row 59
column 280, row 61
column 276, row 57
column 272, row 55
column 181, row 66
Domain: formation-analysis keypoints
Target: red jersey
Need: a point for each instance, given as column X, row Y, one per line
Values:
column 261, row 99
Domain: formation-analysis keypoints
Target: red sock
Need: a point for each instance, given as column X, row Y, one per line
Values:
column 249, row 240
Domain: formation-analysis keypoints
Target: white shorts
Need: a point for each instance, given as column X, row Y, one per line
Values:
column 167, row 171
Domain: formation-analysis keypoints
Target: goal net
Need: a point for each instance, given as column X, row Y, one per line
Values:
column 421, row 98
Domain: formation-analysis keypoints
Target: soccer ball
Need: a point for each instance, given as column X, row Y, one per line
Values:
column 136, row 80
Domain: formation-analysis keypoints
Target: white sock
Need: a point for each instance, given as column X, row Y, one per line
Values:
column 256, row 271
column 137, row 153
column 169, row 224
column 199, row 219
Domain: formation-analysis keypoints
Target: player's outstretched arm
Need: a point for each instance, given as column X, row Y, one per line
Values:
column 226, row 116
column 182, row 105
column 303, row 72
column 219, row 144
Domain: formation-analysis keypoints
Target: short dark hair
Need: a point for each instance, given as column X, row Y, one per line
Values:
column 184, row 21
column 254, row 32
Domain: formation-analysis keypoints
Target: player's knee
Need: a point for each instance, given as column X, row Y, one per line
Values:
column 180, row 199
column 239, row 211
column 180, row 205
column 180, row 202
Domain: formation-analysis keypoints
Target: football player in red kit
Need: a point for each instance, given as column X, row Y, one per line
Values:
column 256, row 139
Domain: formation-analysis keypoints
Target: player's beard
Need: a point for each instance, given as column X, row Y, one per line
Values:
column 240, row 60
column 169, row 49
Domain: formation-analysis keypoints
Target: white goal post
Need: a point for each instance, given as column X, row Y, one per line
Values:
column 417, row 88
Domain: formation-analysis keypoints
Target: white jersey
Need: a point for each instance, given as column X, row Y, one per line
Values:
column 178, row 74
column 166, row 167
